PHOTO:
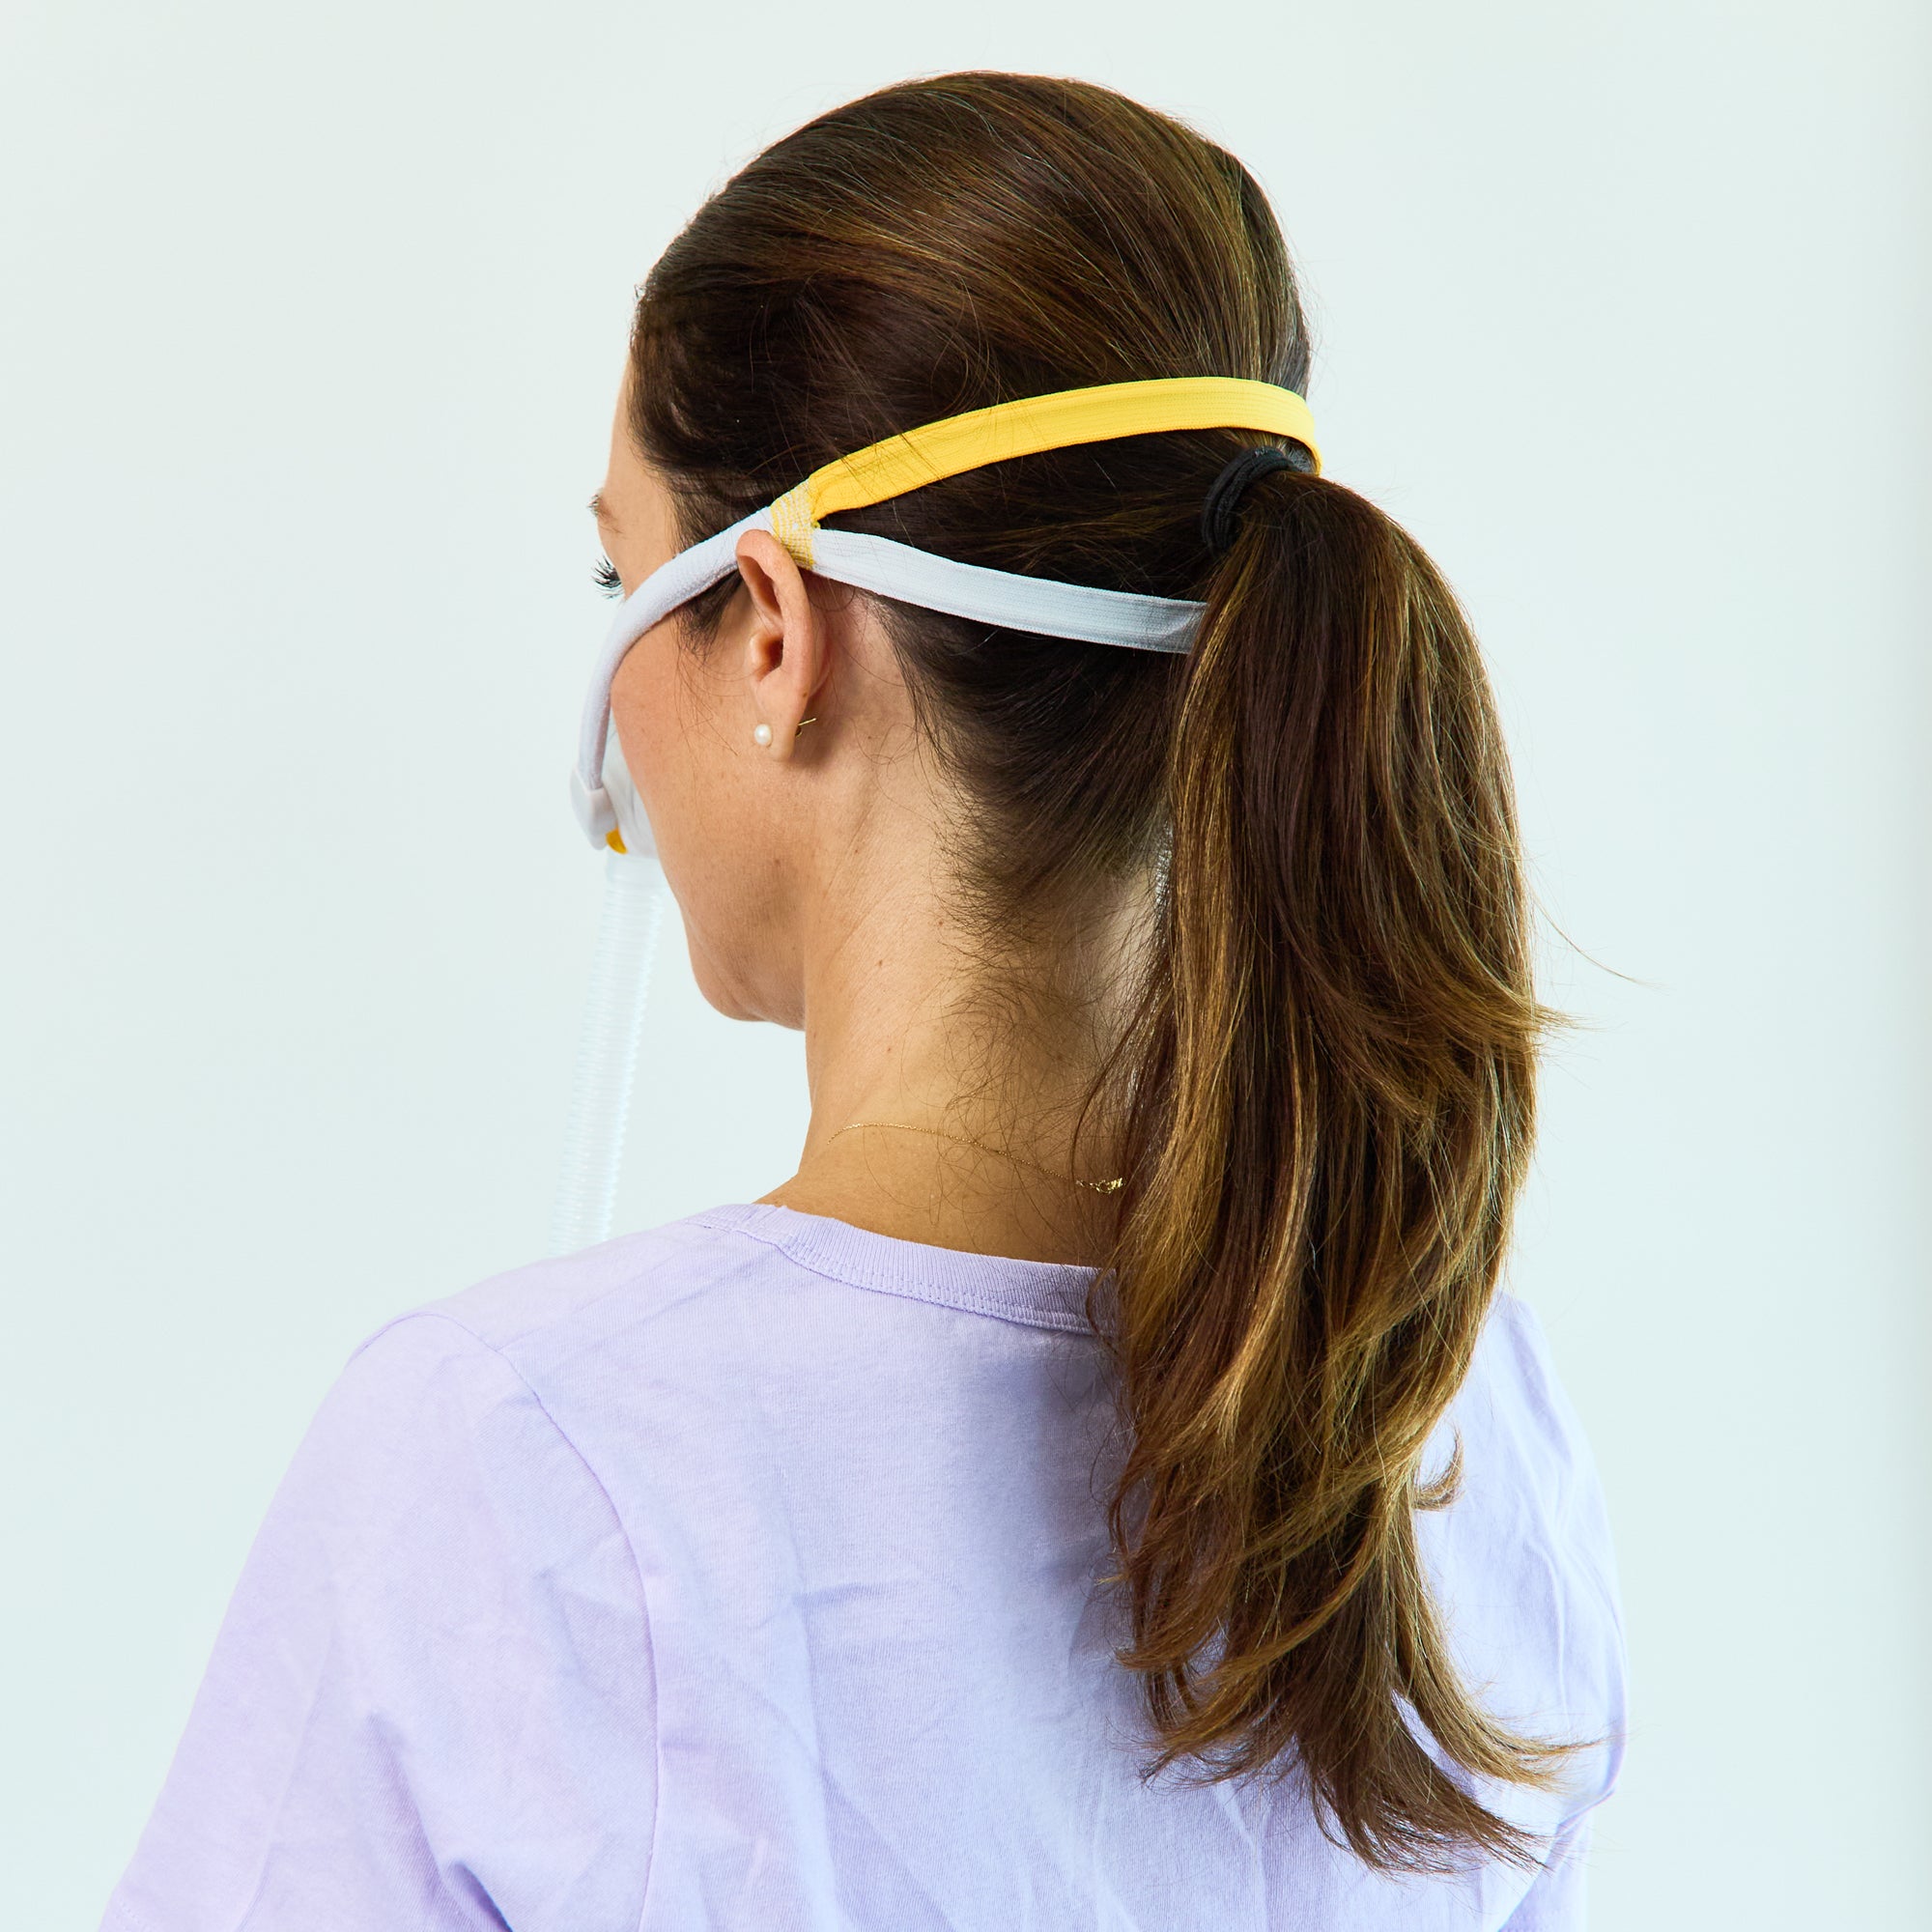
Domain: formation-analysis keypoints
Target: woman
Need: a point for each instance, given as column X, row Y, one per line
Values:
column 1102, row 1486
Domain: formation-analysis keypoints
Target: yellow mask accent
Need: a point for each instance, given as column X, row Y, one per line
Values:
column 953, row 445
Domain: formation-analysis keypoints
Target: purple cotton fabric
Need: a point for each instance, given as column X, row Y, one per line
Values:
column 747, row 1574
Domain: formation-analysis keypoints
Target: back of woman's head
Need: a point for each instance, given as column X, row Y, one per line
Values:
column 1325, row 1096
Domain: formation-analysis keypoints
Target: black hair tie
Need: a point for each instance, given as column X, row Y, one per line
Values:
column 1222, row 509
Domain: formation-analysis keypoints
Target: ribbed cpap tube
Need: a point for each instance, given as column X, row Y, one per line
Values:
column 607, row 1054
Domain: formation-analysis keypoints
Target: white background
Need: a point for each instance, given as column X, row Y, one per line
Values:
column 312, row 317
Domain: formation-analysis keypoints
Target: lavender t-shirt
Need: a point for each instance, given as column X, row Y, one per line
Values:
column 747, row 1573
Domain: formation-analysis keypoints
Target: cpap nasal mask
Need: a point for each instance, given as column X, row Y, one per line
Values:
column 604, row 798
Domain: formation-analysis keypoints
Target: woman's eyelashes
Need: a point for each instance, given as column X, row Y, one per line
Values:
column 606, row 579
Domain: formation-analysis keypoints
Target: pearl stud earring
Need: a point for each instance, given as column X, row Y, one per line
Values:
column 761, row 734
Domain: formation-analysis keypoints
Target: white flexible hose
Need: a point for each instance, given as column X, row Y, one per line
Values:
column 607, row 1052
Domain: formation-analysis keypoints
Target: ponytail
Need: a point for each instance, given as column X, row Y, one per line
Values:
column 1329, row 1109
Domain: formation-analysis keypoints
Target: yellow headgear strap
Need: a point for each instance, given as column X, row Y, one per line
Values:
column 1023, row 428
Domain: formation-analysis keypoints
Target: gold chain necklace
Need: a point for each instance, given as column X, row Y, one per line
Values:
column 1113, row 1186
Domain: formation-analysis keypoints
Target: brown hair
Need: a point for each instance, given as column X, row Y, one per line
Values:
column 1327, row 1086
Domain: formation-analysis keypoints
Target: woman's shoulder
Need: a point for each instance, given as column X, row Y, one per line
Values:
column 521, row 1354
column 646, row 1276
column 1513, row 1368
column 1521, row 1435
column 1528, row 1504
column 1522, row 1558
column 435, row 1675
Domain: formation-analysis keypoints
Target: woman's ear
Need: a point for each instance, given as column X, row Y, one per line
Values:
column 785, row 651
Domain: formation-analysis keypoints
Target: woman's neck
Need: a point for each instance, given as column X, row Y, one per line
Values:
column 949, row 1087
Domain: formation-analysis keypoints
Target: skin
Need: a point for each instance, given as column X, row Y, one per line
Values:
column 819, row 891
